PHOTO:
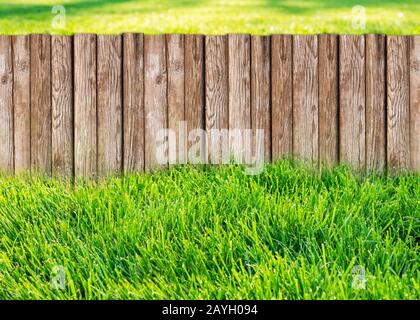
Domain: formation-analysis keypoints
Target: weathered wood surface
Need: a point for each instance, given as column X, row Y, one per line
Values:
column 194, row 98
column 177, row 143
column 62, row 105
column 217, row 110
column 328, row 99
column 6, row 105
column 109, row 107
column 305, row 97
column 239, row 85
column 133, row 102
column 398, row 84
column 155, row 101
column 281, row 95
column 85, row 112
column 260, row 97
column 352, row 122
column 22, row 103
column 41, row 108
column 88, row 105
column 415, row 103
column 375, row 103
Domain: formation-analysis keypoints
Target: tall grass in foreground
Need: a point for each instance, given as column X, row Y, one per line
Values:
column 197, row 233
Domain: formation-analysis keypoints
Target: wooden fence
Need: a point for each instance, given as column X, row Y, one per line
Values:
column 89, row 105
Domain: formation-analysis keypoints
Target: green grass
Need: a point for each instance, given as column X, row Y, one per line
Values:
column 200, row 233
column 210, row 16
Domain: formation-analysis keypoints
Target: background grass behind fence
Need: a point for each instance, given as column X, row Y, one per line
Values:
column 210, row 16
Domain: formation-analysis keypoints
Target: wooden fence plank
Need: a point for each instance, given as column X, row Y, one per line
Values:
column 217, row 112
column 328, row 99
column 305, row 97
column 85, row 135
column 281, row 96
column 398, row 104
column 155, row 101
column 6, row 105
column 375, row 103
column 133, row 105
column 260, row 96
column 62, row 105
column 109, row 105
column 41, row 103
column 194, row 97
column 415, row 102
column 176, row 101
column 352, row 100
column 239, row 95
column 21, row 102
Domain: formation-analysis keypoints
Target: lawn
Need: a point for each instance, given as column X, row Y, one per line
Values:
column 199, row 233
column 210, row 17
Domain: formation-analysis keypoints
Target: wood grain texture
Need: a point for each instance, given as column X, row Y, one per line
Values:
column 85, row 129
column 281, row 96
column 92, row 104
column 328, row 99
column 6, row 105
column 133, row 105
column 260, row 96
column 239, row 95
column 415, row 103
column 21, row 103
column 41, row 110
column 176, row 98
column 109, row 105
column 375, row 103
column 194, row 97
column 398, row 81
column 352, row 101
column 62, row 105
column 217, row 112
column 305, row 97
column 155, row 101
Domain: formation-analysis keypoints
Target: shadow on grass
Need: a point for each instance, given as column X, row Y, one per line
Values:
column 312, row 6
column 31, row 10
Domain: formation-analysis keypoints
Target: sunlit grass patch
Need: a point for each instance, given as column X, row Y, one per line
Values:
column 203, row 233
column 210, row 16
